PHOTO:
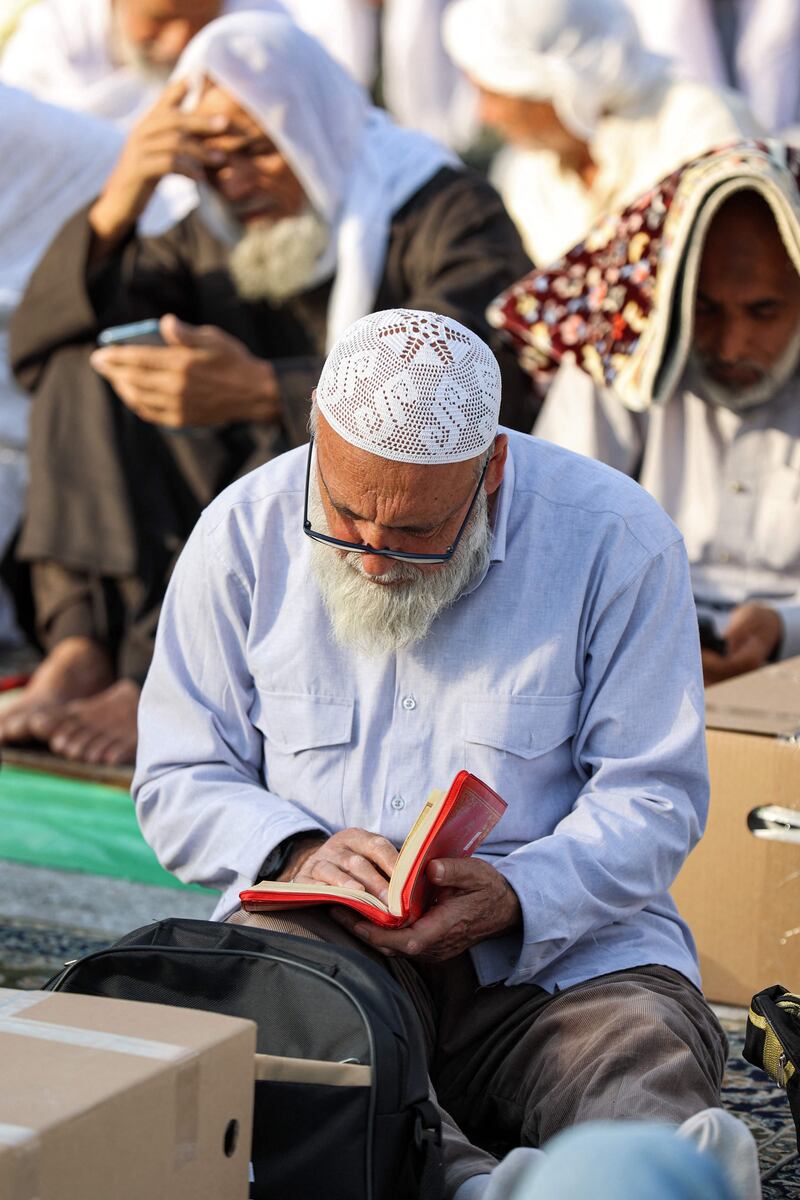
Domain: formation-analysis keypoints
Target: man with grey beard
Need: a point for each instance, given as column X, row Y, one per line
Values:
column 722, row 452
column 416, row 592
column 111, row 58
column 315, row 209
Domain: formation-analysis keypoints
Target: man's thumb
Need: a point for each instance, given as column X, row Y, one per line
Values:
column 450, row 872
column 180, row 333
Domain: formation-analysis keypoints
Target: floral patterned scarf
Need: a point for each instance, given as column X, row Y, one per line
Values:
column 620, row 304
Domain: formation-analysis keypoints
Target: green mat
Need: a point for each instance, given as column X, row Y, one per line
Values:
column 73, row 825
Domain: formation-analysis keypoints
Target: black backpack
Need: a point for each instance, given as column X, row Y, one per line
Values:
column 341, row 1093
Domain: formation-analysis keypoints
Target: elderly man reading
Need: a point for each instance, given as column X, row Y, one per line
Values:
column 416, row 592
column 317, row 209
column 684, row 315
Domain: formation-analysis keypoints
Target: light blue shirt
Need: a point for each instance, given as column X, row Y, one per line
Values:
column 568, row 679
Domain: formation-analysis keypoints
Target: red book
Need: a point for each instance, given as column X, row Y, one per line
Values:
column 451, row 825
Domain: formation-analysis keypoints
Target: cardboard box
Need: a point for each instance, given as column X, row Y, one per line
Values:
column 740, row 888
column 115, row 1100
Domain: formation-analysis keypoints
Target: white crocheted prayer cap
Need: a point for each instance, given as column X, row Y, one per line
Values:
column 413, row 387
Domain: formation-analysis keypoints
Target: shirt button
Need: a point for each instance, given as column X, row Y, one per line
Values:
column 723, row 556
column 409, row 703
column 398, row 802
column 738, row 487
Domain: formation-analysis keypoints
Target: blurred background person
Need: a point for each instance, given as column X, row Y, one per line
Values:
column 752, row 45
column 112, row 58
column 107, row 57
column 682, row 345
column 592, row 118
column 55, row 161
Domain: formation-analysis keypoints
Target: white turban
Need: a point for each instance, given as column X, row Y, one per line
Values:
column 356, row 167
column 412, row 387
column 583, row 56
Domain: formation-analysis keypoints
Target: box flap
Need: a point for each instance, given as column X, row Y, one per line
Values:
column 765, row 701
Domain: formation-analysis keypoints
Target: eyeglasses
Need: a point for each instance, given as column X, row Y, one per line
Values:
column 362, row 548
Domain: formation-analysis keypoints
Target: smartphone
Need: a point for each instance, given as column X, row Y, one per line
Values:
column 137, row 333
column 709, row 638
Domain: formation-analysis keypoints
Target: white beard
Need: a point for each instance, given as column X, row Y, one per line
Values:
column 378, row 618
column 740, row 400
column 127, row 54
column 273, row 260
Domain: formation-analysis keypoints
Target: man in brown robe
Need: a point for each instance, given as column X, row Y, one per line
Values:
column 318, row 210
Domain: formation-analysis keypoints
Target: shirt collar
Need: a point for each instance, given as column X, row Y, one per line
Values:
column 505, row 496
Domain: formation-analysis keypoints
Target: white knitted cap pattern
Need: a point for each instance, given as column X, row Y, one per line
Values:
column 413, row 387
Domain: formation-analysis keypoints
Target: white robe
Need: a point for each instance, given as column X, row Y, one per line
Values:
column 422, row 86
column 730, row 482
column 57, row 161
column 348, row 29
column 633, row 147
column 766, row 66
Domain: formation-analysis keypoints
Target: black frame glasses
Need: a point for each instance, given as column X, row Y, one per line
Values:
column 361, row 548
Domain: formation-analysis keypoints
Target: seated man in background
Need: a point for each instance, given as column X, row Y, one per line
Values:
column 319, row 210
column 113, row 58
column 108, row 57
column 312, row 680
column 592, row 118
column 688, row 332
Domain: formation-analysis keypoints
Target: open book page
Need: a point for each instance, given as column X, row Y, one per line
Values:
column 288, row 894
column 274, row 894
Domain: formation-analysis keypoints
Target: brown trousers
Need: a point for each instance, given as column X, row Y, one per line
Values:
column 515, row 1065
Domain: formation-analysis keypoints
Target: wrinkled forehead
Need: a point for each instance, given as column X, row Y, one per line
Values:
column 162, row 12
column 350, row 472
column 744, row 243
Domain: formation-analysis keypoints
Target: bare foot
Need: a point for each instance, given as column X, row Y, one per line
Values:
column 100, row 729
column 74, row 669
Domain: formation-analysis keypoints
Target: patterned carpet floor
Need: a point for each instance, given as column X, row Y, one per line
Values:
column 32, row 951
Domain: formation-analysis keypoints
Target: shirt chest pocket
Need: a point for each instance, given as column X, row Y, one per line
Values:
column 523, row 748
column 306, row 743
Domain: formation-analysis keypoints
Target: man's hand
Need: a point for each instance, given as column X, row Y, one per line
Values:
column 753, row 634
column 201, row 377
column 352, row 858
column 165, row 141
column 475, row 902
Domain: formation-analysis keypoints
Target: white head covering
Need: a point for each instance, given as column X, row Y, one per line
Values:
column 584, row 56
column 356, row 167
column 412, row 387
